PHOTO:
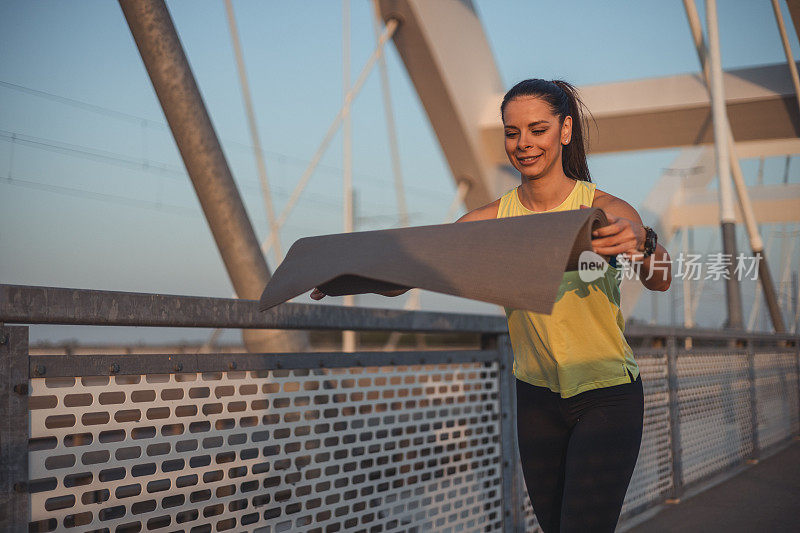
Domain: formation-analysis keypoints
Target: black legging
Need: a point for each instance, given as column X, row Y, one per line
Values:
column 578, row 453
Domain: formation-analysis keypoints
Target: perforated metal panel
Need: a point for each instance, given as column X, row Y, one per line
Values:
column 652, row 480
column 776, row 397
column 389, row 448
column 715, row 411
column 406, row 447
column 529, row 517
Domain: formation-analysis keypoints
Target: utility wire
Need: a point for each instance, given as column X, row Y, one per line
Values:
column 173, row 172
column 93, row 154
column 180, row 210
column 136, row 119
column 84, row 105
column 105, row 197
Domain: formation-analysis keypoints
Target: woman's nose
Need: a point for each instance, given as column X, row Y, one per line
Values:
column 524, row 141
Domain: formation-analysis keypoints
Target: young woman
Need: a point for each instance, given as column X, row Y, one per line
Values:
column 580, row 402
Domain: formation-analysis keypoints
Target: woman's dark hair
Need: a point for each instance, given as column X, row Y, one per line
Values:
column 563, row 100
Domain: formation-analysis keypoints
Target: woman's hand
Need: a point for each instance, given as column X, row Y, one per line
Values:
column 625, row 235
column 317, row 294
column 621, row 236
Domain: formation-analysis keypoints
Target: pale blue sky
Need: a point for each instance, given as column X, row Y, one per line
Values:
column 98, row 198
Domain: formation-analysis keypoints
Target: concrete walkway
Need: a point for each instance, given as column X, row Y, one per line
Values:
column 763, row 498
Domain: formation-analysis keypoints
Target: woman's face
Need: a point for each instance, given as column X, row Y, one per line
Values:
column 534, row 136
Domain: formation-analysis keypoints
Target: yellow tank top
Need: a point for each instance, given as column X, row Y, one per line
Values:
column 581, row 344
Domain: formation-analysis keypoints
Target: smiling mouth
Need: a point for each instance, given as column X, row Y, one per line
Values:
column 528, row 160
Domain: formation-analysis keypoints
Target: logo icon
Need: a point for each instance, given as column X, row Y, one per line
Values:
column 591, row 266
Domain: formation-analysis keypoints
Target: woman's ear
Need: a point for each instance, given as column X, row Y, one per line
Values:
column 566, row 130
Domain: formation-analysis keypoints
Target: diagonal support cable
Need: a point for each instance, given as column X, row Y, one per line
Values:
column 787, row 49
column 391, row 26
column 756, row 309
column 756, row 243
column 412, row 302
column 251, row 122
column 394, row 151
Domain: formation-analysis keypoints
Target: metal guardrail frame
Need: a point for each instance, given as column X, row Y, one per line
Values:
column 674, row 418
column 20, row 304
column 13, row 427
column 23, row 304
column 45, row 305
column 14, row 434
column 52, row 366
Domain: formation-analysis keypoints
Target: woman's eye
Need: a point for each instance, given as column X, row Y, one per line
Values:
column 538, row 131
column 510, row 133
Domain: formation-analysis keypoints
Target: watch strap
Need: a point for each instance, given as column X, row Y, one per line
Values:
column 650, row 241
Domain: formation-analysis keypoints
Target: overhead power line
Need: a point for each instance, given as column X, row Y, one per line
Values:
column 94, row 154
column 104, row 197
column 179, row 210
column 83, row 105
column 136, row 119
column 172, row 172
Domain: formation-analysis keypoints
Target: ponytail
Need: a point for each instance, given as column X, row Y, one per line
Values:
column 563, row 99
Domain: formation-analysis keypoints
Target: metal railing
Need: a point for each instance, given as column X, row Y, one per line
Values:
column 381, row 441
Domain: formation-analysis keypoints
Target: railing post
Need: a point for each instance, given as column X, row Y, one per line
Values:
column 751, row 377
column 674, row 420
column 512, row 484
column 14, row 508
column 797, row 373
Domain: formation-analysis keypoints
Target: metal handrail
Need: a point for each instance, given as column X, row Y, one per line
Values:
column 23, row 304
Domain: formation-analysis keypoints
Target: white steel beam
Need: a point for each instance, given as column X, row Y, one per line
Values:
column 771, row 204
column 675, row 111
column 448, row 59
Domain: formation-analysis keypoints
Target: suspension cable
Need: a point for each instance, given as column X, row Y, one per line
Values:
column 391, row 26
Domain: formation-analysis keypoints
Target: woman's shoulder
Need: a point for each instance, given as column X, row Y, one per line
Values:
column 602, row 197
column 486, row 212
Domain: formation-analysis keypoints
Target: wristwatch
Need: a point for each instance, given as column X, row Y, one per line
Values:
column 650, row 241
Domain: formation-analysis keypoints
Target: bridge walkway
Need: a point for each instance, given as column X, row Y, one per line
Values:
column 764, row 497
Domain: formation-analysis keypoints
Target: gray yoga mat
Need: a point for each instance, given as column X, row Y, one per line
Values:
column 515, row 262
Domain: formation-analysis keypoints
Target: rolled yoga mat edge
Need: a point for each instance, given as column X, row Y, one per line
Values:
column 484, row 260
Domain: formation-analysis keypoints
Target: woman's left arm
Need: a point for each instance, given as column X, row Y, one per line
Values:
column 625, row 235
